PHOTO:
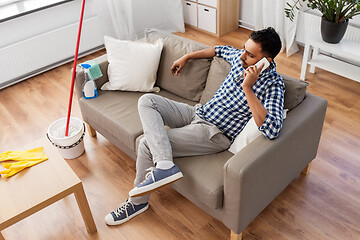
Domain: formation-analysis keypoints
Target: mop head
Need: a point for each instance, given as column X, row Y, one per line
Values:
column 94, row 70
column 60, row 133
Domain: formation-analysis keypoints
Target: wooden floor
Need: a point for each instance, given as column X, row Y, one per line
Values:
column 322, row 205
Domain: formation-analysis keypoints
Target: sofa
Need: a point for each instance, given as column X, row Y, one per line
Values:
column 233, row 188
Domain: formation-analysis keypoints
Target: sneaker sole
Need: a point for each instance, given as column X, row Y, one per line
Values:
column 137, row 192
column 128, row 218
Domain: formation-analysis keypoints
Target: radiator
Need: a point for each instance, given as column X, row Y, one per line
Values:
column 49, row 50
column 309, row 24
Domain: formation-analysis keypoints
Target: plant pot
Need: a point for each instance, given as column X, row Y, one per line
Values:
column 332, row 32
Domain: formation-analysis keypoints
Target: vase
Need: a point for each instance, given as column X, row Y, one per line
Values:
column 332, row 32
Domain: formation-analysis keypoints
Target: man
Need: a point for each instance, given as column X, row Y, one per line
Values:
column 207, row 129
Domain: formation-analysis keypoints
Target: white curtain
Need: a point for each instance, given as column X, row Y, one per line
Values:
column 270, row 13
column 129, row 18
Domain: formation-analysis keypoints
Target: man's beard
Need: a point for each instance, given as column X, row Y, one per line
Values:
column 243, row 63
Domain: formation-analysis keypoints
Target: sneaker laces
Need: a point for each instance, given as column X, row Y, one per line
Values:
column 150, row 173
column 123, row 208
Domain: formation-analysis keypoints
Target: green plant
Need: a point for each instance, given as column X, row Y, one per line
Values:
column 332, row 10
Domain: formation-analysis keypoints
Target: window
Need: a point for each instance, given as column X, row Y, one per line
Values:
column 10, row 9
column 6, row 2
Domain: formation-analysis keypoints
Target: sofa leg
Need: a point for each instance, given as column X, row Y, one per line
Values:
column 306, row 170
column 235, row 236
column 91, row 131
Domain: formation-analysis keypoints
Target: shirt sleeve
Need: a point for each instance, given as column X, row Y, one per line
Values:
column 226, row 52
column 274, row 103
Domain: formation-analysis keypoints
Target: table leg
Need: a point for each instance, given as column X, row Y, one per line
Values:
column 1, row 237
column 84, row 208
column 315, row 53
column 305, row 62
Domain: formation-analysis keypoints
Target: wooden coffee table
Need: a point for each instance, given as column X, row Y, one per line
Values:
column 40, row 186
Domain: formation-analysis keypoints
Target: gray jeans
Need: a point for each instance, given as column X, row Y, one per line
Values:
column 188, row 135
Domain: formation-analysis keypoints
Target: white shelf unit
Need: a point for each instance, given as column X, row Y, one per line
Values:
column 207, row 18
column 346, row 49
column 216, row 17
column 190, row 13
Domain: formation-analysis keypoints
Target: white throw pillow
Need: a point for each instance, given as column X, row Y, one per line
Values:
column 247, row 135
column 132, row 65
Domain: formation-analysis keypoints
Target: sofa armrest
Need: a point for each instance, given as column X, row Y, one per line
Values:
column 79, row 79
column 261, row 171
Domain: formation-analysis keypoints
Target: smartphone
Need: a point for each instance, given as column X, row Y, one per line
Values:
column 259, row 63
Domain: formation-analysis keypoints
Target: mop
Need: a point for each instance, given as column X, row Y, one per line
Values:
column 74, row 68
column 24, row 159
column 69, row 141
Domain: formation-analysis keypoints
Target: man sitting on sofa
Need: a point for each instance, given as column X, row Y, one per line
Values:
column 207, row 129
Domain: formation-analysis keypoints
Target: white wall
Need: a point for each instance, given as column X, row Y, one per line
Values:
column 246, row 13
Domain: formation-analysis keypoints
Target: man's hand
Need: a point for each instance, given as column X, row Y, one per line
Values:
column 178, row 65
column 251, row 75
column 257, row 109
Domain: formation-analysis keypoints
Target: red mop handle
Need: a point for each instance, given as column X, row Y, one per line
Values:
column 74, row 69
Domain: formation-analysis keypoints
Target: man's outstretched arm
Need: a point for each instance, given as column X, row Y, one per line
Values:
column 180, row 63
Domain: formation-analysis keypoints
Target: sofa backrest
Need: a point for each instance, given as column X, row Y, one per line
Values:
column 294, row 89
column 190, row 82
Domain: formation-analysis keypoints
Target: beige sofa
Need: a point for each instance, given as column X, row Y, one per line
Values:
column 232, row 188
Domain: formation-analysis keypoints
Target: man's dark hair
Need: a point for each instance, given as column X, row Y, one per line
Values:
column 269, row 40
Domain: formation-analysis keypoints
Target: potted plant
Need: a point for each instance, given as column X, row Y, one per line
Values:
column 335, row 15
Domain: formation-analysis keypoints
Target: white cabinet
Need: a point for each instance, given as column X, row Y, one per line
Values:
column 207, row 18
column 190, row 13
column 213, row 16
column 211, row 3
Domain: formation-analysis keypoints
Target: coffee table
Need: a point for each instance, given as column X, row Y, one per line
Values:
column 37, row 187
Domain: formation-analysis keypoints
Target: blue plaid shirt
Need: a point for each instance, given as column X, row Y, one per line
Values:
column 229, row 110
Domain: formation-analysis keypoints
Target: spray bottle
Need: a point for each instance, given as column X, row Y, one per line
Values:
column 89, row 87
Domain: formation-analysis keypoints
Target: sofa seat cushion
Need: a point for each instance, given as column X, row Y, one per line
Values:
column 203, row 178
column 117, row 112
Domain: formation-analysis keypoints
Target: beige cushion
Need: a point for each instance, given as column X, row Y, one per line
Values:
column 205, row 184
column 117, row 113
column 190, row 82
column 219, row 69
column 294, row 91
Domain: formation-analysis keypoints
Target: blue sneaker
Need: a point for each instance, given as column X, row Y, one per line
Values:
column 125, row 212
column 155, row 179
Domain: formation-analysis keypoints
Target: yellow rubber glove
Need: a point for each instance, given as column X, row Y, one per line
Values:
column 15, row 167
column 32, row 154
column 24, row 159
column 10, row 172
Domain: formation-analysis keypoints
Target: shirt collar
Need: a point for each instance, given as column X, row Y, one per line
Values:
column 271, row 69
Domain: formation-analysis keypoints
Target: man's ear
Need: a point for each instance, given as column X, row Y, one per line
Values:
column 269, row 59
